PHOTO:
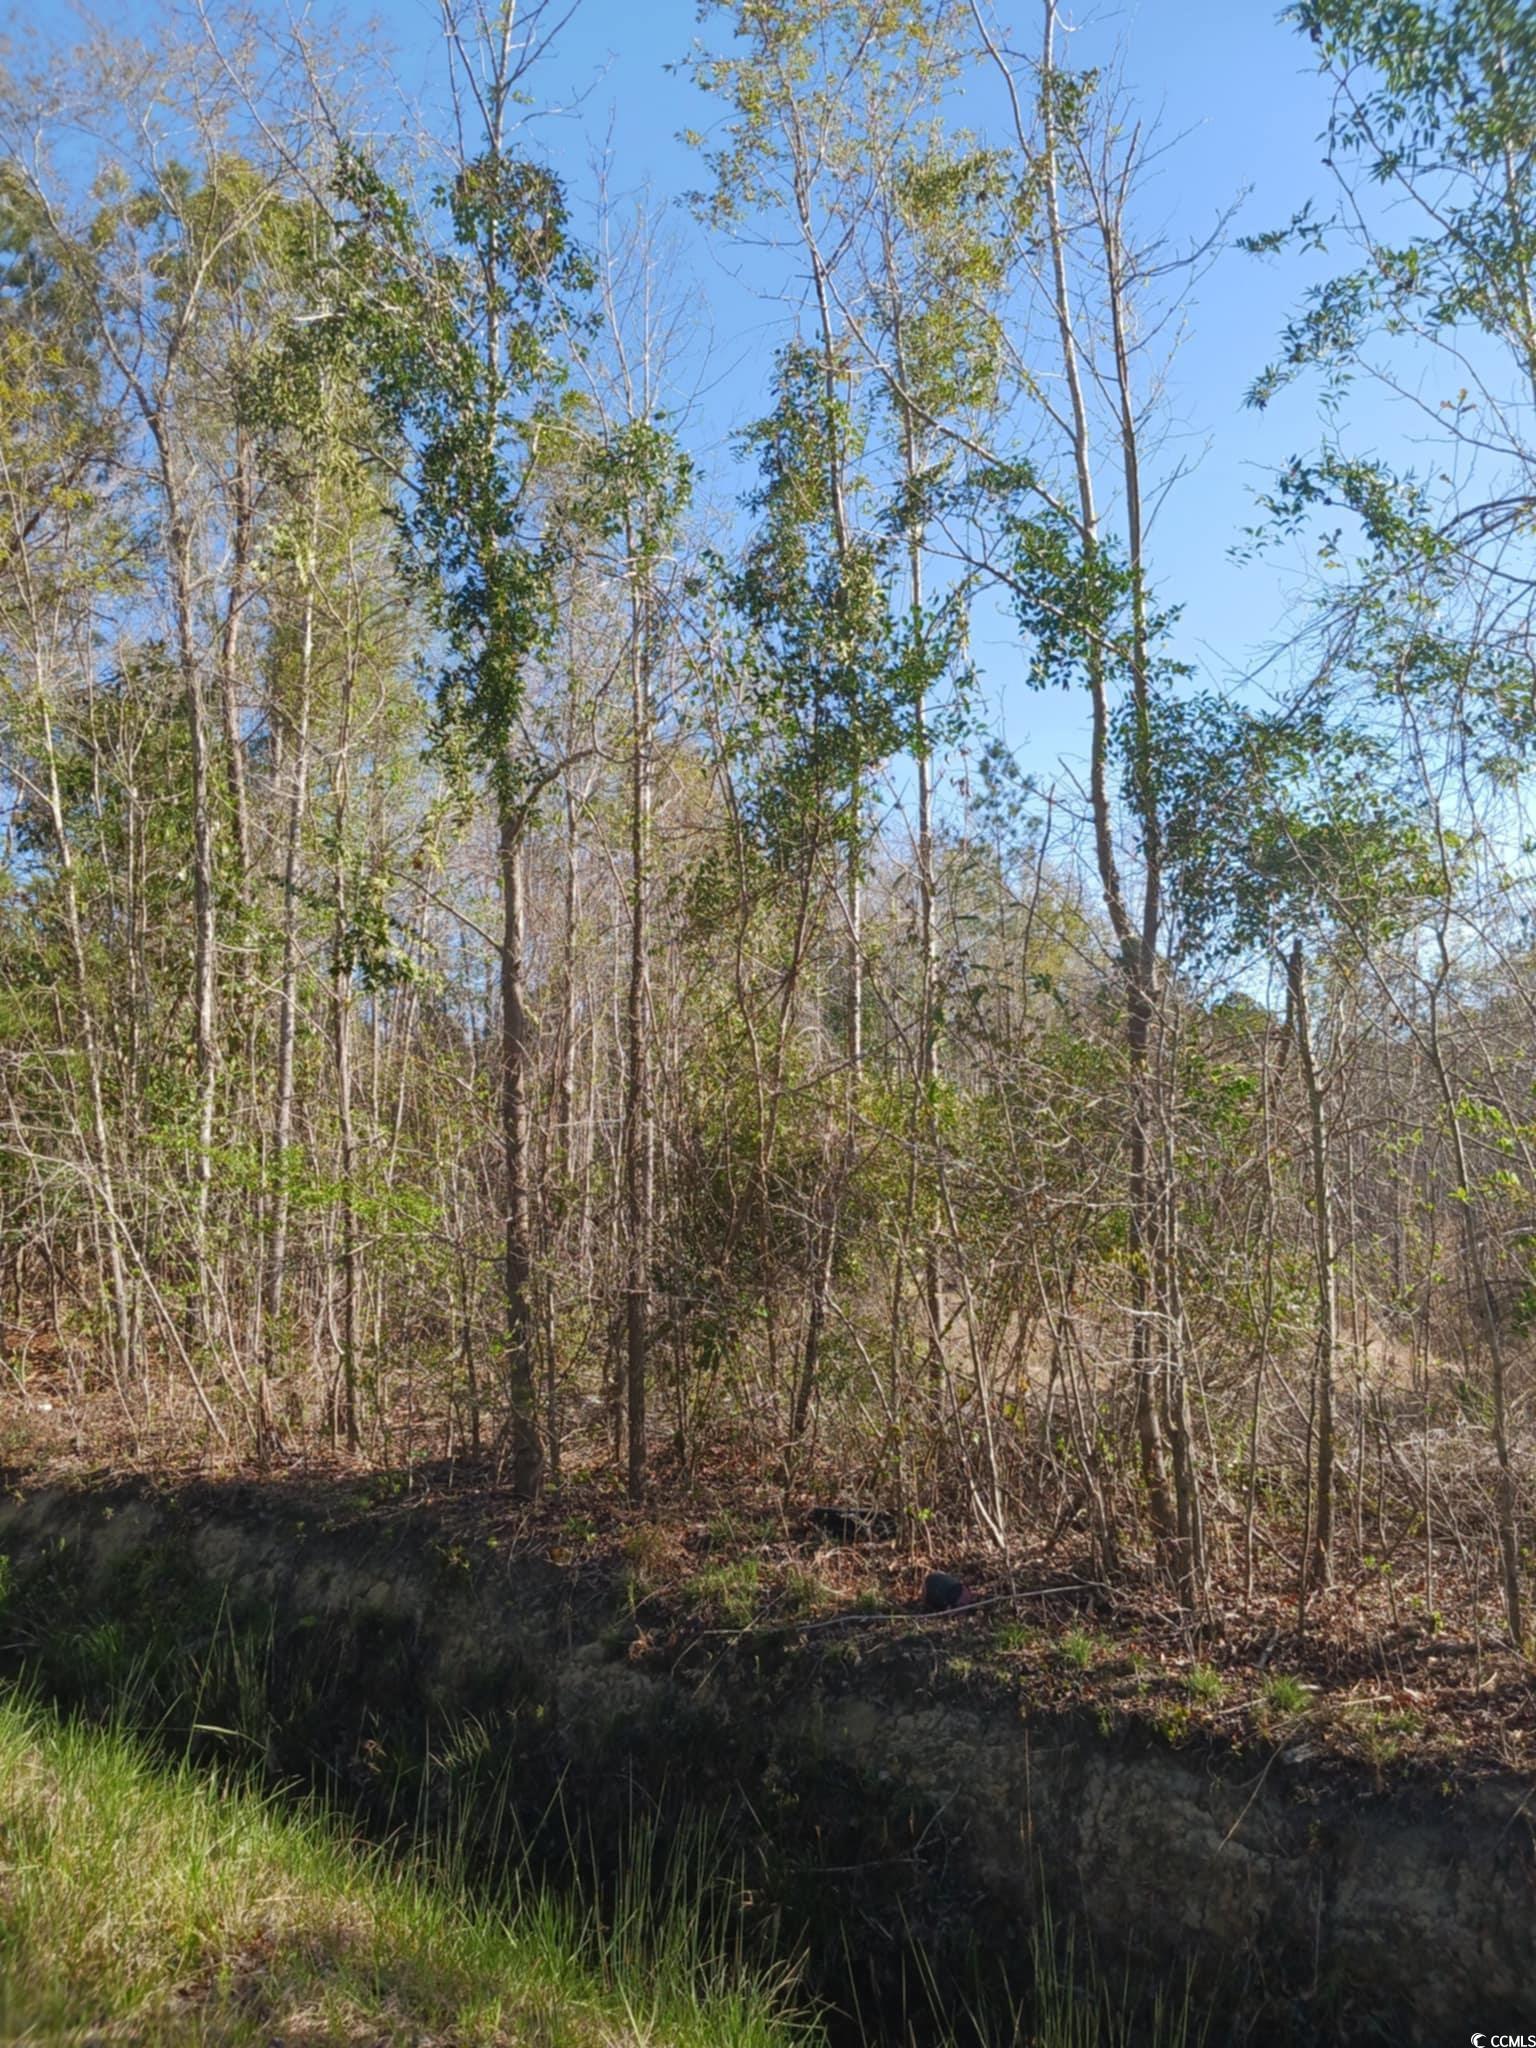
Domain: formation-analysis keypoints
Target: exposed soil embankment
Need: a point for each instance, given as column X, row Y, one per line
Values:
column 887, row 1791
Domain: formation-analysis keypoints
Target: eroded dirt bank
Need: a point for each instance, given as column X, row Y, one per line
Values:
column 887, row 1791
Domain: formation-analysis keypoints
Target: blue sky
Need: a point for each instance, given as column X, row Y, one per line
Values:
column 1236, row 99
column 1234, row 94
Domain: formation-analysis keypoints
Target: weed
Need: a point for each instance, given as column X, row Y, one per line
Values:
column 1078, row 1647
column 802, row 1592
column 1203, row 1683
column 1174, row 1723
column 645, row 1549
column 1283, row 1694
column 727, row 1592
column 1380, row 1744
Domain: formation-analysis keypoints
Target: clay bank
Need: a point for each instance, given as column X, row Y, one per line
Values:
column 884, row 1794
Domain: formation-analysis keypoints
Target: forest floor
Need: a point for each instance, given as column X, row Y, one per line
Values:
column 1378, row 1669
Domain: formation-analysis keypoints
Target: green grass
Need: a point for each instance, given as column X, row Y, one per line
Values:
column 1078, row 1648
column 1079, row 2007
column 1284, row 1695
column 1073, row 2003
column 151, row 1904
column 801, row 1593
column 140, row 1903
column 1202, row 1682
column 728, row 1593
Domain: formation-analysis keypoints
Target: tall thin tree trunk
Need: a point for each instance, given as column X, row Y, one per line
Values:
column 204, row 898
column 1488, row 1315
column 241, row 548
column 1137, row 949
column 527, row 1454
column 341, row 1054
column 928, row 1036
column 639, row 1135
column 1266, row 1326
column 563, row 1173
column 926, row 1063
column 1325, row 1259
column 272, row 1345
column 815, row 1326
column 99, row 1143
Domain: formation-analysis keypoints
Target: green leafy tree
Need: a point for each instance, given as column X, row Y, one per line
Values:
column 829, row 145
column 455, row 336
column 1432, row 141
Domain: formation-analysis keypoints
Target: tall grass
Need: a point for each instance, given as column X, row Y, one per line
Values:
column 1074, row 2006
column 1071, row 2002
column 150, row 1903
column 155, row 1888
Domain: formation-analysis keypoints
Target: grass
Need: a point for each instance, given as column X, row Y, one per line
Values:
column 1078, row 1648
column 1079, row 2007
column 150, row 1902
column 1381, row 1738
column 647, row 1550
column 1073, row 2003
column 140, row 1903
column 1284, row 1694
column 729, row 1594
column 1204, row 1683
column 801, row 1593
